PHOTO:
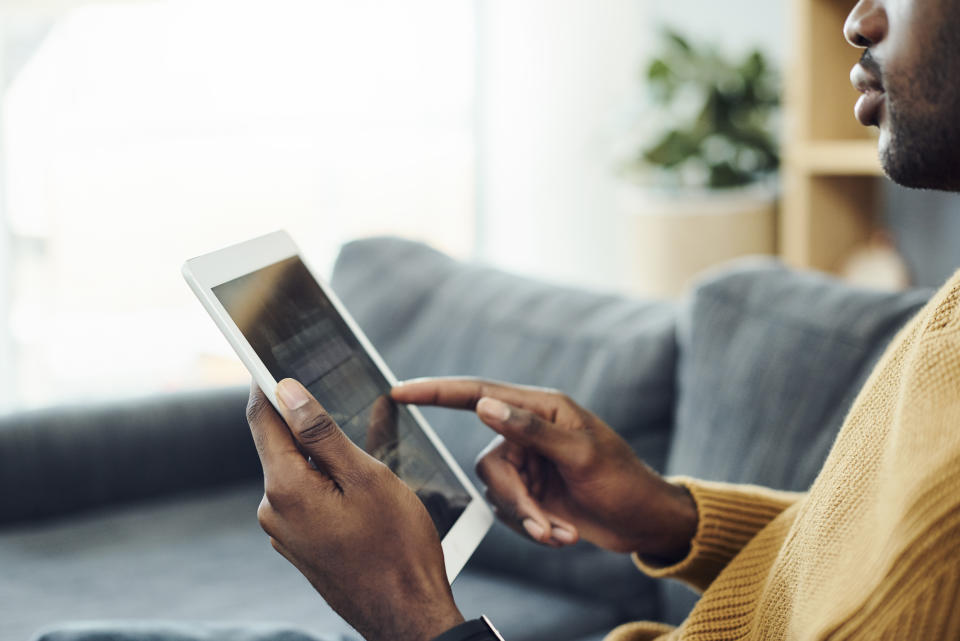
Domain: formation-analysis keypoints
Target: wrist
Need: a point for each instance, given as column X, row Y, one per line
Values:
column 432, row 622
column 442, row 624
column 410, row 618
column 676, row 526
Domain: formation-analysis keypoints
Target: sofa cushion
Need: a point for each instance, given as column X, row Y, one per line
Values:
column 770, row 362
column 430, row 315
column 204, row 558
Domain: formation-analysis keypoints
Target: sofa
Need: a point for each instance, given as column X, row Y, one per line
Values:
column 144, row 510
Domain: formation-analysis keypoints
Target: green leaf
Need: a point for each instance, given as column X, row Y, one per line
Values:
column 678, row 41
column 673, row 149
column 660, row 78
column 753, row 67
column 725, row 176
column 756, row 139
column 658, row 71
column 730, row 132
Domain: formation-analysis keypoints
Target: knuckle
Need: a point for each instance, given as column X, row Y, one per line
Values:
column 280, row 495
column 583, row 458
column 376, row 473
column 504, row 509
column 319, row 427
column 529, row 423
column 256, row 408
column 482, row 468
column 566, row 403
column 265, row 514
column 562, row 405
column 370, row 475
column 561, row 398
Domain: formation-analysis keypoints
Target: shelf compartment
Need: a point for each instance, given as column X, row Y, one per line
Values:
column 841, row 158
column 825, row 217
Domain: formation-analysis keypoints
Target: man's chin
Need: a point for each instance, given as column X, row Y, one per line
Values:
column 907, row 167
column 889, row 161
column 919, row 152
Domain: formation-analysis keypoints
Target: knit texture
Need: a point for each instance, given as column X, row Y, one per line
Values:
column 872, row 551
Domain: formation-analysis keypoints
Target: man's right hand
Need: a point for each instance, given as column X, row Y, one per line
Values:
column 558, row 473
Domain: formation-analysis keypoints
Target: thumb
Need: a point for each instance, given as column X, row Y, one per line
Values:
column 529, row 429
column 318, row 434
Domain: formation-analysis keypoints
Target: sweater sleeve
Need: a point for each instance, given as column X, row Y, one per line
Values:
column 919, row 595
column 927, row 609
column 728, row 517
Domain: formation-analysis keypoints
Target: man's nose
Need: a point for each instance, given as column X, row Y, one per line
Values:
column 866, row 25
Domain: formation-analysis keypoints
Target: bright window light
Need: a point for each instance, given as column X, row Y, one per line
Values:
column 137, row 135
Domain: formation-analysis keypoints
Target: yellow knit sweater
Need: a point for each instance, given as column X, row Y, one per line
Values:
column 872, row 551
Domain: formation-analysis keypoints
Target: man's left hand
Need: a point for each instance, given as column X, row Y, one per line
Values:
column 359, row 535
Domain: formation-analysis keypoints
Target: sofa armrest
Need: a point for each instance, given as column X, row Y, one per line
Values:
column 64, row 460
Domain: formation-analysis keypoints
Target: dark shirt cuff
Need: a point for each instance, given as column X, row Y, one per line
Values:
column 475, row 630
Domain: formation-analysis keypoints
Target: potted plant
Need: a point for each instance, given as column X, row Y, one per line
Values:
column 702, row 189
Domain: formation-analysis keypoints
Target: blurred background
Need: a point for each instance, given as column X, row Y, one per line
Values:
column 136, row 134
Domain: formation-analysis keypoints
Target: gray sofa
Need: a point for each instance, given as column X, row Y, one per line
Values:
column 144, row 510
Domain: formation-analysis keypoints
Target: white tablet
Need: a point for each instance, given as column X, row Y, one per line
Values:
column 284, row 323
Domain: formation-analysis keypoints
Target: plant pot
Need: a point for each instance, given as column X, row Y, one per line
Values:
column 675, row 235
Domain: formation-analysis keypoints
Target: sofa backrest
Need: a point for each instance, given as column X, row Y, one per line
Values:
column 429, row 315
column 770, row 362
column 60, row 461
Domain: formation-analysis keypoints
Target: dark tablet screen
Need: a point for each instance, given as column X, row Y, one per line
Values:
column 298, row 333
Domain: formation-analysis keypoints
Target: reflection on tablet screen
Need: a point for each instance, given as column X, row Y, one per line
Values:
column 297, row 333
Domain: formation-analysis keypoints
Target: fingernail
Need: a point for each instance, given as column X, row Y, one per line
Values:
column 562, row 535
column 533, row 528
column 493, row 408
column 292, row 394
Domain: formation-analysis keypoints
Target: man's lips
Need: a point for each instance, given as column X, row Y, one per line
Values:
column 869, row 107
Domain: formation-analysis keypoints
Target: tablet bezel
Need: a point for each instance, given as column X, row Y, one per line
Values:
column 203, row 273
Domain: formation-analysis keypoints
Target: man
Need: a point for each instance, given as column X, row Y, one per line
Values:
column 869, row 552
column 872, row 551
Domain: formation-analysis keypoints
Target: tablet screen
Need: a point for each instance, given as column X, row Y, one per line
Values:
column 298, row 333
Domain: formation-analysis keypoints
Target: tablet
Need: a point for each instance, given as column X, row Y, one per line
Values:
column 283, row 322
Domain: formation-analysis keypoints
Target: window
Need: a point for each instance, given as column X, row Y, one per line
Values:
column 137, row 135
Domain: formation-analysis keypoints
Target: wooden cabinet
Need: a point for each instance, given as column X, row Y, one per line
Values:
column 830, row 171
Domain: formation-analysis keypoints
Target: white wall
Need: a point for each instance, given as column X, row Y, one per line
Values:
column 552, row 75
column 557, row 80
column 6, row 343
column 737, row 25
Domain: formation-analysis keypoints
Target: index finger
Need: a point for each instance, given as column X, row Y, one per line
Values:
column 464, row 393
column 272, row 437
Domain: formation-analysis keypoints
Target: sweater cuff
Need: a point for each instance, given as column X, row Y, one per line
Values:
column 728, row 517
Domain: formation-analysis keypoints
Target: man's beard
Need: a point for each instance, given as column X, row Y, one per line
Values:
column 922, row 152
column 923, row 111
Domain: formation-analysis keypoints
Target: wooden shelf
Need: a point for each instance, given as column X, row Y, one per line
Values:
column 830, row 169
column 837, row 158
column 825, row 217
